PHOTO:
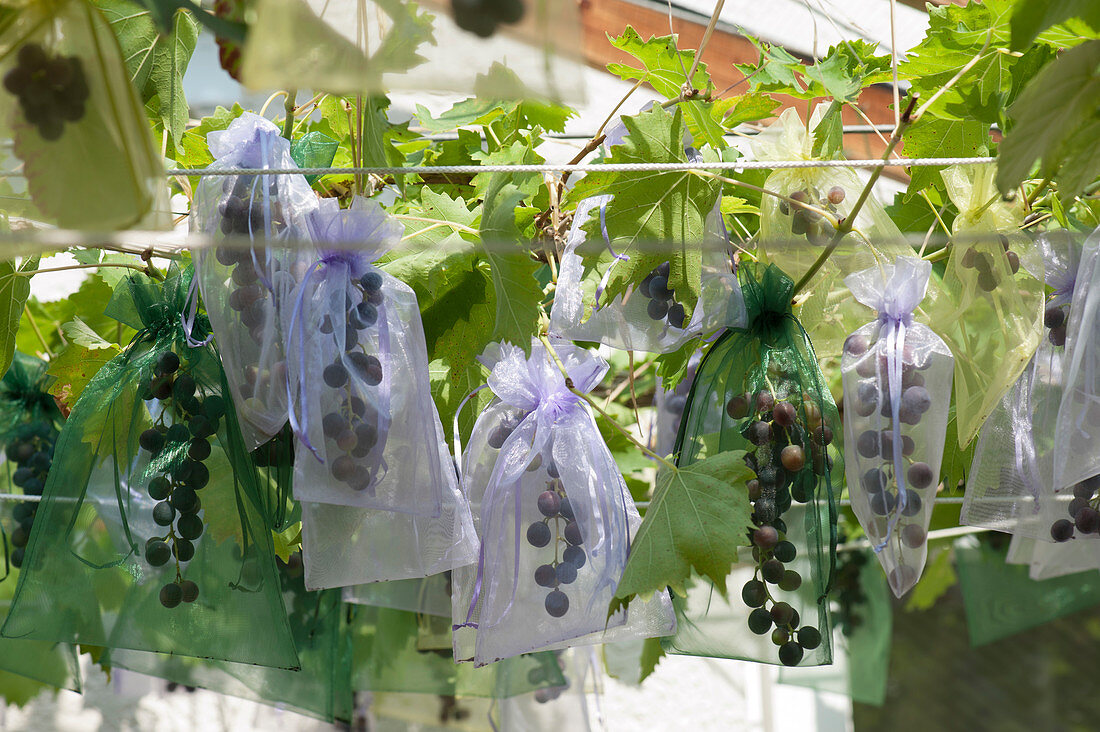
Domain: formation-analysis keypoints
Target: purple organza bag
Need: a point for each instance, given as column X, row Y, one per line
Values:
column 897, row 392
column 1012, row 474
column 553, row 514
column 242, row 286
column 360, row 399
column 643, row 319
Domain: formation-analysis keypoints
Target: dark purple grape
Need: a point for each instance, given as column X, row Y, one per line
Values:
column 760, row 621
column 676, row 316
column 874, row 481
column 557, row 604
column 159, row 488
column 920, row 475
column 344, row 468
column 658, row 288
column 912, row 503
column 546, row 576
column 184, row 550
column 171, row 595
column 809, row 637
column 782, row 613
column 538, row 534
column 856, row 345
column 772, row 571
column 566, row 509
column 1088, row 520
column 183, row 499
column 167, row 363
column 790, row 654
column 189, row 590
column 792, row 458
column 764, row 401
column 913, row 535
column 790, row 581
column 1054, row 316
column 657, row 309
column 785, row 551
column 335, row 375
column 738, row 407
column 572, row 533
column 759, row 433
column 371, row 281
column 567, row 573
column 1062, row 530
column 784, row 414
column 575, row 556
column 157, row 552
column 1076, row 505
column 189, row 527
column 882, row 502
column 780, row 636
column 332, row 424
column 868, row 443
column 1057, row 336
column 1083, row 490
column 549, row 503
column 163, row 513
column 151, row 440
column 766, row 537
column 754, row 593
column 916, row 399
column 199, row 449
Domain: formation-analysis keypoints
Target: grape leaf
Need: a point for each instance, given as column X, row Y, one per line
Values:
column 457, row 327
column 517, row 292
column 652, row 653
column 829, row 133
column 748, row 108
column 845, row 69
column 73, row 368
column 14, row 291
column 664, row 67
column 698, row 518
column 156, row 62
column 932, row 137
column 668, row 207
column 1031, row 17
column 672, row 366
column 1056, row 123
column 81, row 334
column 956, row 461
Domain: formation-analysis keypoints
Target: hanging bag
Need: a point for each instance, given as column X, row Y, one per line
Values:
column 897, row 393
column 759, row 389
column 553, row 515
column 152, row 533
column 244, row 278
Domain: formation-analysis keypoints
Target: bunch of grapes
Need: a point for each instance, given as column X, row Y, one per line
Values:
column 983, row 263
column 184, row 426
column 811, row 224
column 662, row 299
column 546, row 694
column 880, row 483
column 353, row 431
column 566, row 537
column 51, row 89
column 1084, row 512
column 31, row 451
column 789, row 450
column 1056, row 320
column 481, row 17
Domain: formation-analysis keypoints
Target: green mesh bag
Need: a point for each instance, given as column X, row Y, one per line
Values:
column 759, row 390
column 861, row 662
column 29, row 424
column 394, row 651
column 153, row 530
column 321, row 689
column 1001, row 599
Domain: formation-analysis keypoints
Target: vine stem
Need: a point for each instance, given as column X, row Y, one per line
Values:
column 703, row 43
column 592, row 403
column 38, row 332
column 848, row 222
column 30, row 272
column 288, row 108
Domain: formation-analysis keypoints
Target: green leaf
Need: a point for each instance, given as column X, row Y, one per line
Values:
column 1031, row 17
column 156, row 61
column 667, row 207
column 517, row 291
column 956, row 461
column 80, row 333
column 193, row 150
column 14, row 291
column 1057, row 120
column 672, row 366
column 698, row 518
column 932, row 137
column 938, row 577
column 749, row 108
column 829, row 133
column 652, row 653
column 845, row 69
column 73, row 368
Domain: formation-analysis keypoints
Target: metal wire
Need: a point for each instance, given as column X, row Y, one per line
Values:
column 588, row 167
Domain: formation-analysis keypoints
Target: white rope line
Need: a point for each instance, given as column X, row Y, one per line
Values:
column 589, row 167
